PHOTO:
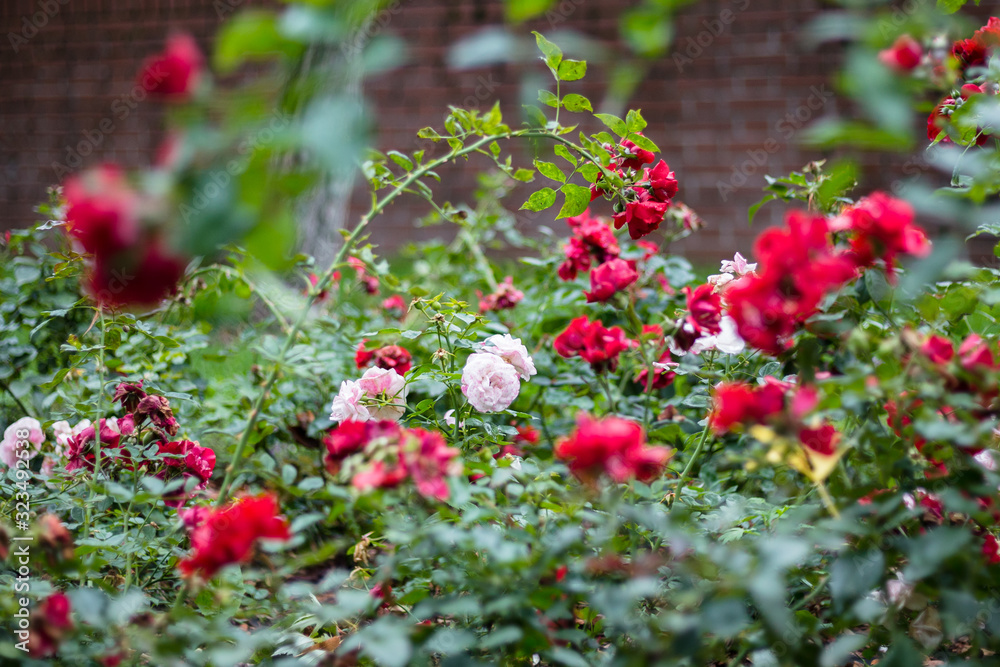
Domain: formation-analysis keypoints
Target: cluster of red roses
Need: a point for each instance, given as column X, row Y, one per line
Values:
column 182, row 458
column 801, row 265
column 594, row 343
column 390, row 357
column 776, row 403
column 611, row 446
column 594, row 242
column 649, row 191
column 120, row 227
column 382, row 454
column 226, row 535
column 969, row 57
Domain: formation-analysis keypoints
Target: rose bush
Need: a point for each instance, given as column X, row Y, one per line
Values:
column 218, row 453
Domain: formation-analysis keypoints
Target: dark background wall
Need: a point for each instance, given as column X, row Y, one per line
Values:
column 726, row 106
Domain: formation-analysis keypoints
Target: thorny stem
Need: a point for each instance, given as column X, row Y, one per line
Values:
column 377, row 207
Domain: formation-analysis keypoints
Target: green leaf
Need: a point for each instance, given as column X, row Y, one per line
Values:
column 644, row 142
column 523, row 175
column 752, row 211
column 951, row 6
column 552, row 53
column 634, row 121
column 577, row 200
column 613, row 123
column 574, row 102
column 572, row 70
column 540, row 200
column 250, row 35
column 549, row 170
column 522, row 10
column 548, row 97
column 402, row 160
column 564, row 153
column 507, row 634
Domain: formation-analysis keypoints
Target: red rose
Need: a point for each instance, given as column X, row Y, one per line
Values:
column 141, row 276
column 704, row 308
column 80, row 450
column 100, row 210
column 592, row 342
column 609, row 278
column 662, row 182
column 938, row 349
column 390, row 357
column 822, row 440
column 228, row 534
column 394, row 306
column 611, row 446
column 903, row 56
column 882, row 227
column 157, row 410
column 50, row 622
column 505, row 297
column 631, row 156
column 174, row 73
column 129, row 394
column 643, row 214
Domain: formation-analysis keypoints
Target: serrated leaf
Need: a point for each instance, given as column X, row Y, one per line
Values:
column 613, row 123
column 540, row 200
column 523, row 175
column 549, row 98
column 564, row 153
column 549, row 170
column 634, row 121
column 577, row 200
column 552, row 53
column 572, row 70
column 574, row 102
column 400, row 159
column 644, row 142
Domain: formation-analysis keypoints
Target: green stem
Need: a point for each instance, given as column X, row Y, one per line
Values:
column 694, row 457
column 7, row 388
column 322, row 284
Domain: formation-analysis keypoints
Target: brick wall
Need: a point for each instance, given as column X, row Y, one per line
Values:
column 737, row 85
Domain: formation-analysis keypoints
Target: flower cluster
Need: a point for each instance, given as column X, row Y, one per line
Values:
column 132, row 262
column 592, row 342
column 227, row 535
column 383, row 454
column 801, row 265
column 390, row 357
column 649, row 192
column 505, row 297
column 379, row 394
column 174, row 73
column 50, row 623
column 593, row 243
column 611, row 446
column 491, row 379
